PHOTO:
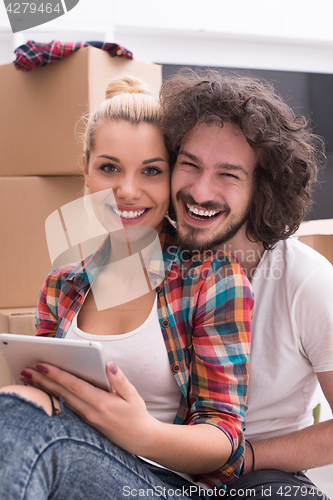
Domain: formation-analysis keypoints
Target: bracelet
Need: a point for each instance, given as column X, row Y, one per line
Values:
column 253, row 460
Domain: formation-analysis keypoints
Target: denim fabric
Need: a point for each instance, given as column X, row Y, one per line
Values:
column 63, row 458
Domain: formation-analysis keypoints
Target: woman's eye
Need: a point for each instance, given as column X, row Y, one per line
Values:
column 108, row 167
column 152, row 171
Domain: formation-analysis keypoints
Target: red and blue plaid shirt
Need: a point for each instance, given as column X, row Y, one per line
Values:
column 205, row 306
column 33, row 55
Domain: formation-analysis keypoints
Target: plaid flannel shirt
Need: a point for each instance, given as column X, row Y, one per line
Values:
column 205, row 305
column 33, row 55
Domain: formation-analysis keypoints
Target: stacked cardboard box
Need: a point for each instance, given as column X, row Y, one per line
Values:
column 318, row 234
column 40, row 168
column 17, row 320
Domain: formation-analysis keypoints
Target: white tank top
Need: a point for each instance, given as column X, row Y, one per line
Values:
column 142, row 356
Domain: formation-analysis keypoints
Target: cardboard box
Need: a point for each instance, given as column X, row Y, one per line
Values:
column 5, row 377
column 40, row 110
column 318, row 234
column 18, row 320
column 25, row 204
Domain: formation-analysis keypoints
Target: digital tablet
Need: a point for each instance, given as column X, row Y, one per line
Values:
column 83, row 358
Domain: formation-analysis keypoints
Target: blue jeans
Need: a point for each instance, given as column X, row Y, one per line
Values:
column 63, row 458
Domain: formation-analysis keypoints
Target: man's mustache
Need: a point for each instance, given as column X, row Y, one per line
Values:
column 206, row 205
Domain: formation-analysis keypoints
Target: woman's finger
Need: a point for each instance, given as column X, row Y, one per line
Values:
column 78, row 394
column 120, row 384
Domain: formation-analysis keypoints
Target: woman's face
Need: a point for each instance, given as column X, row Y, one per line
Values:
column 133, row 161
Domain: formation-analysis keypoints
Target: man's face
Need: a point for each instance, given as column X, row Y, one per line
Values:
column 212, row 185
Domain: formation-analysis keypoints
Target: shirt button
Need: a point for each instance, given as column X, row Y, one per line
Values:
column 165, row 323
column 196, row 479
column 158, row 289
column 119, row 52
column 175, row 368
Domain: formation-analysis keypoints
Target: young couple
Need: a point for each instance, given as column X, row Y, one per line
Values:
column 242, row 168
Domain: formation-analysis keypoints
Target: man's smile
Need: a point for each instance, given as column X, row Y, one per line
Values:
column 198, row 216
column 200, row 213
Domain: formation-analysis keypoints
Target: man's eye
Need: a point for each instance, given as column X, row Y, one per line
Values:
column 226, row 174
column 108, row 167
column 152, row 171
column 188, row 164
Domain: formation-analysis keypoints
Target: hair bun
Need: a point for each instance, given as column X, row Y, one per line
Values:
column 126, row 84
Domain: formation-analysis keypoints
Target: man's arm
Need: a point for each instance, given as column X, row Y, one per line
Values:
column 305, row 449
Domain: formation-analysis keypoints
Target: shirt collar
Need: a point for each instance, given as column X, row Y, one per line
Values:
column 85, row 272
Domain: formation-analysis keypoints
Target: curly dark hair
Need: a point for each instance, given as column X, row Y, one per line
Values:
column 289, row 155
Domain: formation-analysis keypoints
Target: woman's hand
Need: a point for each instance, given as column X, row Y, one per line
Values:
column 123, row 418
column 121, row 415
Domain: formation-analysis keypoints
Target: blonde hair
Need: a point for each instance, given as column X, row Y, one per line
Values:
column 127, row 98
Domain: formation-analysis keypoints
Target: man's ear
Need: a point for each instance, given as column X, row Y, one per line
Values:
column 85, row 171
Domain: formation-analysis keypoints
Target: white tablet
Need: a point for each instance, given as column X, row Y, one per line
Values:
column 83, row 358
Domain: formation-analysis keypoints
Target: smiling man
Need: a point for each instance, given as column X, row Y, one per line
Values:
column 212, row 185
column 243, row 167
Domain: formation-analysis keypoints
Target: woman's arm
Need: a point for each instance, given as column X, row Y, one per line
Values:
column 221, row 329
column 46, row 316
column 123, row 418
column 217, row 390
column 58, row 302
column 217, row 396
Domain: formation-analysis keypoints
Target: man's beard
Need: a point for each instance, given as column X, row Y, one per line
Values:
column 191, row 240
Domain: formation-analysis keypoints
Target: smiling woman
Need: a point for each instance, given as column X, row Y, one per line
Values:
column 133, row 161
column 177, row 350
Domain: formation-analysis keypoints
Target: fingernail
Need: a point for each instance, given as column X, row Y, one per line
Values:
column 113, row 368
column 42, row 368
column 25, row 374
column 26, row 381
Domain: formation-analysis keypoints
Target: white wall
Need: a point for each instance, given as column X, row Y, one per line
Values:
column 216, row 49
column 301, row 19
column 275, row 34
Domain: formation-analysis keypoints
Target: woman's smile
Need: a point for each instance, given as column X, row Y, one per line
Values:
column 130, row 215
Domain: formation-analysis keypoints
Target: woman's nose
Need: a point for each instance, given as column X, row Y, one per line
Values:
column 128, row 189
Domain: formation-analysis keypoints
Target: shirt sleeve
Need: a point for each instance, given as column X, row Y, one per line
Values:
column 221, row 311
column 47, row 307
column 313, row 316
